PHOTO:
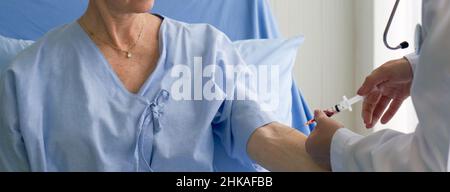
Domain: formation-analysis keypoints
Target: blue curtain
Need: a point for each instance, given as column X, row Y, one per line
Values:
column 31, row 19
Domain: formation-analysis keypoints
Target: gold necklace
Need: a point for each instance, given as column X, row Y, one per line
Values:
column 127, row 52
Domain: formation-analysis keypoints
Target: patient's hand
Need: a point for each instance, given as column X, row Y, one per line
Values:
column 318, row 144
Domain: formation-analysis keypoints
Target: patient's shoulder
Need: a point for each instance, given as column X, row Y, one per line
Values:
column 53, row 46
column 197, row 31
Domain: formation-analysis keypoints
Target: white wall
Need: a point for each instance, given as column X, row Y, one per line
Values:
column 325, row 65
column 343, row 45
column 364, row 50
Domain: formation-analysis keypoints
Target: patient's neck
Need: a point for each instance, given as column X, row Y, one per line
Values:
column 119, row 29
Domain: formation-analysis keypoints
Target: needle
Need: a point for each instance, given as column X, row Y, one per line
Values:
column 327, row 112
column 345, row 104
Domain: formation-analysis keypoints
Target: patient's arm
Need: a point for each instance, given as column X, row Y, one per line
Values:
column 280, row 148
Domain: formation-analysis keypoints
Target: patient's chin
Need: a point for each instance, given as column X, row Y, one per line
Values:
column 132, row 6
column 142, row 6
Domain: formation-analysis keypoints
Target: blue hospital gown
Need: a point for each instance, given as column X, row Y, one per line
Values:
column 62, row 108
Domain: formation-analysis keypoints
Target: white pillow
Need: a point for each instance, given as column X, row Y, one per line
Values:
column 9, row 48
column 279, row 53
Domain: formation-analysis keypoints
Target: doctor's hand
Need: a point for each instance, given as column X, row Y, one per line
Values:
column 318, row 144
column 389, row 85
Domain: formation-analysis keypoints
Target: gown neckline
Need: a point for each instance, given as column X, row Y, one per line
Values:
column 141, row 94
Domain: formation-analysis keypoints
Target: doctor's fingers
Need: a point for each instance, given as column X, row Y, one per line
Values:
column 369, row 105
column 393, row 108
column 378, row 111
column 372, row 81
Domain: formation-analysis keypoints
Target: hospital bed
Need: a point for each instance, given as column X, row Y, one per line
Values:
column 239, row 19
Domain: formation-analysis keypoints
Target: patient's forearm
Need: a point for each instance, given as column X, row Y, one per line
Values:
column 280, row 148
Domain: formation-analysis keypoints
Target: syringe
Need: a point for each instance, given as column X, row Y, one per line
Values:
column 342, row 106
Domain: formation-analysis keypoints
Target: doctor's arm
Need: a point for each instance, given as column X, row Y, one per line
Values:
column 280, row 148
column 387, row 150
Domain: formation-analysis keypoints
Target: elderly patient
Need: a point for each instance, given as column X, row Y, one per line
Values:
column 94, row 95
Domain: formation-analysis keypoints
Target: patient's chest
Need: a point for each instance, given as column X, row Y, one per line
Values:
column 119, row 132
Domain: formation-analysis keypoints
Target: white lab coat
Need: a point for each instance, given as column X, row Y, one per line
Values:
column 427, row 149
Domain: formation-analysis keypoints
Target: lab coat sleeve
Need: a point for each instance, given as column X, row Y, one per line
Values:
column 413, row 59
column 342, row 139
column 12, row 148
column 384, row 151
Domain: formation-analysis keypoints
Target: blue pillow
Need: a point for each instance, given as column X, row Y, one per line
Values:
column 9, row 48
column 280, row 53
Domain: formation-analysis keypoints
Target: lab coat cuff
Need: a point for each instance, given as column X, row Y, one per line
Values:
column 413, row 59
column 340, row 145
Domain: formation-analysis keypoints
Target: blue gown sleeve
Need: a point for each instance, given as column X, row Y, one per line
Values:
column 237, row 119
column 236, row 123
column 12, row 148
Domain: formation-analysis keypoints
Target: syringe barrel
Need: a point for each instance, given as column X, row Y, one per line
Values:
column 355, row 99
column 347, row 103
